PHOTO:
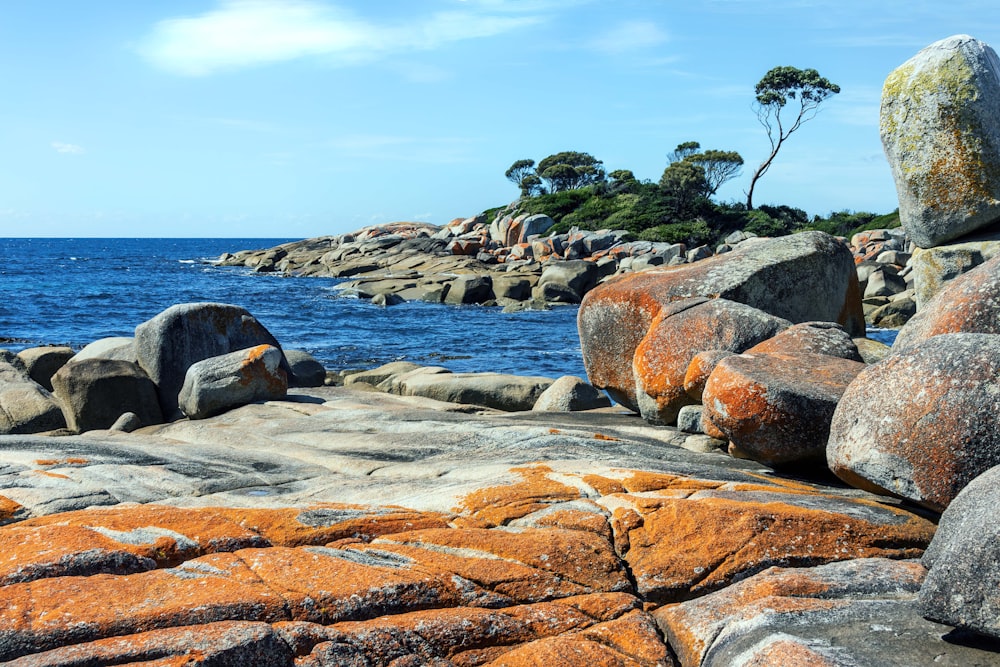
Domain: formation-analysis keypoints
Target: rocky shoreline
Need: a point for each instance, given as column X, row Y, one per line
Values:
column 772, row 488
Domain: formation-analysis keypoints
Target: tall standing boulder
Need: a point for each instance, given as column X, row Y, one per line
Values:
column 182, row 335
column 940, row 127
column 801, row 278
column 922, row 423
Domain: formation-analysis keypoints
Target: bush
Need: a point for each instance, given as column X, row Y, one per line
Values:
column 692, row 233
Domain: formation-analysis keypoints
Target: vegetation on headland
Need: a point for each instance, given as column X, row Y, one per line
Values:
column 574, row 189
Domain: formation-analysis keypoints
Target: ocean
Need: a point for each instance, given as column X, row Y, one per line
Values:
column 74, row 291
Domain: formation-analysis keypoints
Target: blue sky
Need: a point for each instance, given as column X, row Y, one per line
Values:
column 297, row 118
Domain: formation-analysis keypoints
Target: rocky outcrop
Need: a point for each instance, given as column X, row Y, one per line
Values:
column 171, row 342
column 250, row 545
column 921, row 424
column 941, row 136
column 961, row 588
column 511, row 393
column 223, row 382
column 94, row 393
column 570, row 394
column 801, row 278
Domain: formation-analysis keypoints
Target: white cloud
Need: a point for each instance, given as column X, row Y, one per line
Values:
column 61, row 147
column 630, row 36
column 245, row 33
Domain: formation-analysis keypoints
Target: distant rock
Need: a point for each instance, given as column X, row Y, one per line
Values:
column 219, row 383
column 934, row 267
column 25, row 406
column 121, row 348
column 940, row 127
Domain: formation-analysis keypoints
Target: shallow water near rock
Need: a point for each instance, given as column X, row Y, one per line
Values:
column 74, row 291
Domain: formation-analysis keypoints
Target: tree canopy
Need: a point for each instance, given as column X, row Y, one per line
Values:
column 779, row 87
column 569, row 170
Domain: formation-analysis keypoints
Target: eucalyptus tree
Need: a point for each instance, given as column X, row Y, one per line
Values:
column 794, row 91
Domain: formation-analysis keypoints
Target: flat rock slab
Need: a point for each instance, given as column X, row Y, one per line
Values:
column 341, row 526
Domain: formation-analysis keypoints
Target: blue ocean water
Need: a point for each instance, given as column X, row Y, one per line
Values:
column 74, row 291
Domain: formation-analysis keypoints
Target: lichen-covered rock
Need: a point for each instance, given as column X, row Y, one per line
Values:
column 803, row 277
column 826, row 338
column 940, row 130
column 95, row 392
column 962, row 588
column 968, row 304
column 700, row 369
column 922, row 423
column 776, row 408
column 682, row 330
column 933, row 268
column 181, row 335
column 569, row 394
column 858, row 612
column 217, row 384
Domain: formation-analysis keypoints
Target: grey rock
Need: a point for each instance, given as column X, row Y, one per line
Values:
column 41, row 363
column 570, row 394
column 827, row 338
column 95, row 392
column 513, row 287
column 699, row 253
column 128, row 422
column 386, row 299
column 922, row 423
column 689, row 419
column 872, row 351
column 554, row 293
column 217, row 384
column 883, row 282
column 578, row 275
column 940, row 130
column 962, row 588
column 121, row 348
column 25, row 406
column 470, row 289
column 376, row 376
column 168, row 344
column 894, row 314
column 511, row 393
column 306, row 371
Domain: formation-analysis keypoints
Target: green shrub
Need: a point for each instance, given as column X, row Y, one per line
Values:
column 691, row 233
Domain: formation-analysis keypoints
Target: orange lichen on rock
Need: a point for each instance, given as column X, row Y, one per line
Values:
column 689, row 546
column 9, row 510
column 498, row 505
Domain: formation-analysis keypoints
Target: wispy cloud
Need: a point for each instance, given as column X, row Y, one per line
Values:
column 630, row 36
column 246, row 33
column 441, row 150
column 62, row 147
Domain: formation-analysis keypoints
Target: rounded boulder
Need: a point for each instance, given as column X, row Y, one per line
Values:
column 922, row 423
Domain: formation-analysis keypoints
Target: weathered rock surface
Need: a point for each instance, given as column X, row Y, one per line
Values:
column 941, row 136
column 968, row 304
column 922, row 423
column 25, row 406
column 219, row 383
column 804, row 277
column 858, row 612
column 249, row 545
column 570, row 394
column 500, row 391
column 121, row 348
column 305, row 370
column 776, row 408
column 41, row 363
column 962, row 588
column 95, row 392
column 934, row 267
column 682, row 330
column 171, row 342
column 826, row 338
